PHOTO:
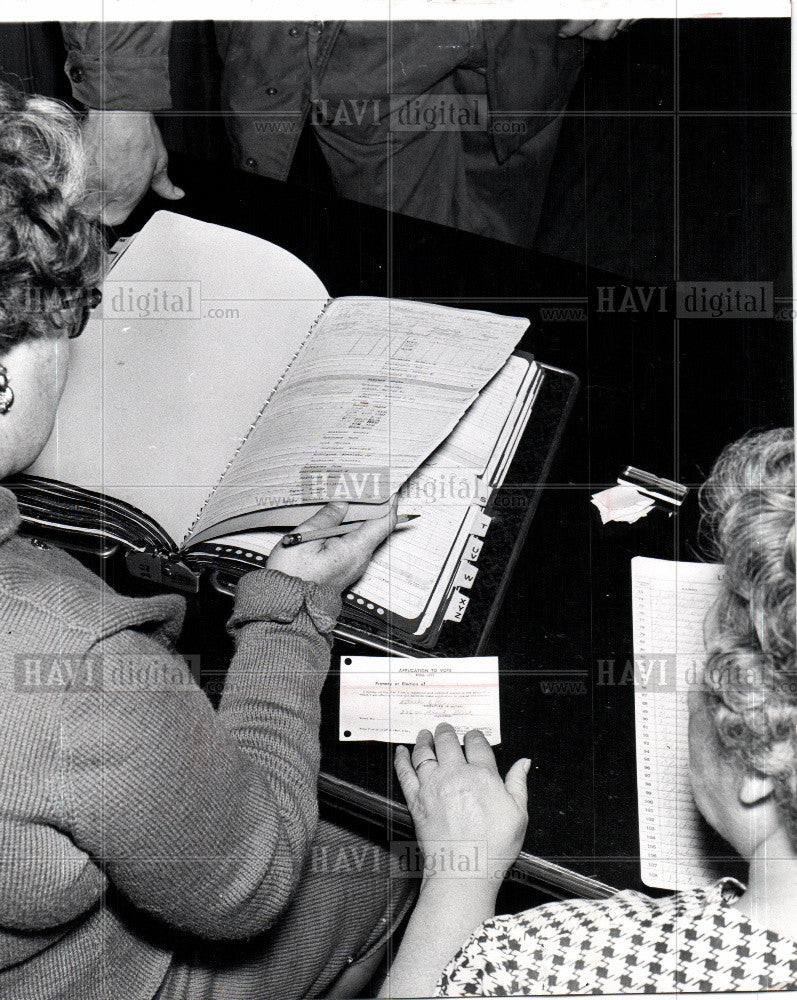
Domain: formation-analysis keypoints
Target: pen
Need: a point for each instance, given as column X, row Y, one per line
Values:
column 295, row 537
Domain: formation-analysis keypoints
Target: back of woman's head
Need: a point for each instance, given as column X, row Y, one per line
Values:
column 748, row 511
column 50, row 249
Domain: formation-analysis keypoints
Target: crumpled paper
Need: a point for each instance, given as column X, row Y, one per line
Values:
column 622, row 503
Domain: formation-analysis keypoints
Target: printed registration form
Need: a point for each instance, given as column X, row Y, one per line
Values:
column 391, row 698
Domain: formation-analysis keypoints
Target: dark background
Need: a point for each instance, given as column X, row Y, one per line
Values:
column 674, row 159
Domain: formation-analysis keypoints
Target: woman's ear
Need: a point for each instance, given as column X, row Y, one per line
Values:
column 755, row 788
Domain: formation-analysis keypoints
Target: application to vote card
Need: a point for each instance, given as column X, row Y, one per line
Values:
column 391, row 698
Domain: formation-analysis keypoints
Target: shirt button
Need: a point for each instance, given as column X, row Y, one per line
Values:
column 76, row 74
column 271, row 91
column 251, row 162
column 293, row 32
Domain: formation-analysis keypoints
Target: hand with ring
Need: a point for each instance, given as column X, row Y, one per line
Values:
column 458, row 797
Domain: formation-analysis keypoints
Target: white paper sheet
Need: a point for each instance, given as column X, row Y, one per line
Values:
column 156, row 425
column 670, row 604
column 389, row 699
column 376, row 388
column 622, row 503
column 405, row 571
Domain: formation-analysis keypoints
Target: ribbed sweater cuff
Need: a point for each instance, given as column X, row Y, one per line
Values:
column 268, row 595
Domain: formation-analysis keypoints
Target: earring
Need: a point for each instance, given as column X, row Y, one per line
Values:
column 6, row 392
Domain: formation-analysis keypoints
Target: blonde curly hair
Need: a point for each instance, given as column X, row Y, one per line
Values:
column 51, row 250
column 749, row 677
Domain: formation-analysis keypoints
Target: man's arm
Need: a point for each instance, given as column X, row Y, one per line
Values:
column 595, row 31
column 119, row 67
column 120, row 72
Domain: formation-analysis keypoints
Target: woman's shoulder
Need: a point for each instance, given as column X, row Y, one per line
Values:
column 629, row 908
column 622, row 943
column 627, row 911
column 46, row 594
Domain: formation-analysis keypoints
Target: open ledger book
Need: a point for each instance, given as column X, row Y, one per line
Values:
column 671, row 600
column 220, row 396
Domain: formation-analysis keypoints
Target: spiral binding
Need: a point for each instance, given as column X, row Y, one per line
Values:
column 252, row 426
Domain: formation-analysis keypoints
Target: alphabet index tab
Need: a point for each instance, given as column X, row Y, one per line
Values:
column 473, row 549
column 466, row 574
column 481, row 523
column 457, row 607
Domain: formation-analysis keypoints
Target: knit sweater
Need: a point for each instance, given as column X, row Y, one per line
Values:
column 129, row 808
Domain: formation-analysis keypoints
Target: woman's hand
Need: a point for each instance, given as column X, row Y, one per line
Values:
column 336, row 562
column 458, row 799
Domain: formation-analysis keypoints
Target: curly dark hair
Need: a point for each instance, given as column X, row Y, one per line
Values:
column 749, row 676
column 51, row 249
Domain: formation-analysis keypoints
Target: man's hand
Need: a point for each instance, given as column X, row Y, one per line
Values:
column 596, row 31
column 457, row 798
column 126, row 157
column 336, row 562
